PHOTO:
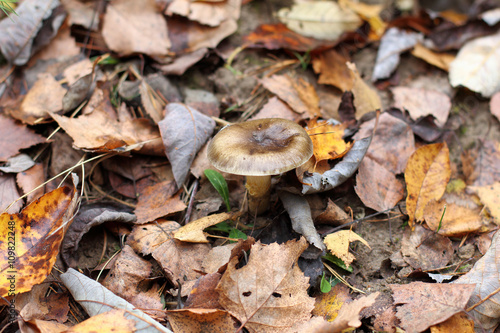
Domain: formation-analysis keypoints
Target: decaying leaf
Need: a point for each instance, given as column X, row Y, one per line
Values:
column 31, row 239
column 490, row 197
column 486, row 276
column 332, row 68
column 319, row 19
column 157, row 201
column 15, row 137
column 201, row 320
column 268, row 294
column 427, row 304
column 299, row 211
column 482, row 164
column 427, row 174
column 184, row 131
column 329, row 304
column 338, row 244
column 96, row 299
column 193, row 231
column 475, row 63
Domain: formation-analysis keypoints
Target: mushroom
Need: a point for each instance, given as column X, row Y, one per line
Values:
column 259, row 149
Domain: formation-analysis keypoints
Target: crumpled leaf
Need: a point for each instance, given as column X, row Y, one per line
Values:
column 184, row 131
column 15, row 137
column 340, row 172
column 96, row 299
column 16, row 45
column 299, row 211
column 38, row 231
column 427, row 174
column 338, row 244
column 427, row 304
column 206, row 12
column 269, row 293
column 486, row 276
column 193, row 231
column 319, row 19
column 148, row 34
column 89, row 216
column 475, row 64
column 392, row 44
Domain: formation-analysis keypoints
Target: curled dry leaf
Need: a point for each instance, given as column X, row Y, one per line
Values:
column 37, row 232
column 338, row 244
column 486, row 276
column 206, row 12
column 427, row 174
column 268, row 294
column 427, row 304
column 319, row 19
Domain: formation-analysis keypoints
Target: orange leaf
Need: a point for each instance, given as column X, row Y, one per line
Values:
column 29, row 241
column 427, row 174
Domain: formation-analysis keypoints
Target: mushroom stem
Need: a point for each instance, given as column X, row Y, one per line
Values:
column 258, row 193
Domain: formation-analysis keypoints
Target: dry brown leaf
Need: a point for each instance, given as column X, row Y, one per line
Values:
column 268, row 294
column 31, row 239
column 148, row 34
column 157, row 201
column 427, row 174
column 8, row 194
column 423, row 102
column 283, row 86
column 15, row 137
column 201, row 320
column 490, row 197
column 332, row 69
column 203, row 295
column 206, row 12
column 481, row 165
column 30, row 179
column 377, row 187
column 440, row 60
column 180, row 261
column 366, row 99
column 193, row 231
column 427, row 304
column 338, row 244
column 44, row 97
column 275, row 108
column 458, row 323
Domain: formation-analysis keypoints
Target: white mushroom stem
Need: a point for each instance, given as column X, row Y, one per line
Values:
column 258, row 193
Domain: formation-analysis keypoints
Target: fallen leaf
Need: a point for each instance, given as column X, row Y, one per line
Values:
column 31, row 241
column 184, row 131
column 427, row 174
column 424, row 249
column 15, row 137
column 193, row 231
column 338, row 244
column 96, row 299
column 393, row 43
column 48, row 326
column 113, row 320
column 8, row 194
column 148, row 34
column 43, row 98
column 17, row 45
column 329, row 304
column 393, row 142
column 301, row 96
column 275, row 108
column 319, row 19
column 428, row 304
column 333, row 215
column 201, row 320
column 369, row 13
column 459, row 323
column 423, row 102
column 203, row 101
column 440, row 60
column 299, row 211
column 83, row 14
column 449, row 36
column 485, row 297
column 366, row 99
column 377, row 187
column 495, row 105
column 16, row 164
column 490, row 197
column 270, row 292
column 481, row 165
column 180, row 261
column 327, row 140
column 332, row 69
column 474, row 65
column 203, row 294
column 206, row 12
column 29, row 180
column 157, row 201
column 278, row 36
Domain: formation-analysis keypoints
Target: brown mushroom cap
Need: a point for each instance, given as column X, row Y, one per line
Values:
column 260, row 147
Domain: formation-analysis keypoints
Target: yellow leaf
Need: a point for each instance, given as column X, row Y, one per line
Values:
column 193, row 231
column 427, row 174
column 338, row 244
column 490, row 197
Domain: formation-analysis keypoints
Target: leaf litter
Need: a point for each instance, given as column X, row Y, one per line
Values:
column 164, row 81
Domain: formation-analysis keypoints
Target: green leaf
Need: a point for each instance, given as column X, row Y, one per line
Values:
column 222, row 227
column 6, row 8
column 220, row 185
column 325, row 285
column 237, row 234
column 336, row 261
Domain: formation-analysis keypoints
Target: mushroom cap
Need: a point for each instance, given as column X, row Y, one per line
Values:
column 260, row 147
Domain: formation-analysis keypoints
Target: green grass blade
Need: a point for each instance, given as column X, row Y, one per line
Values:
column 220, row 185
